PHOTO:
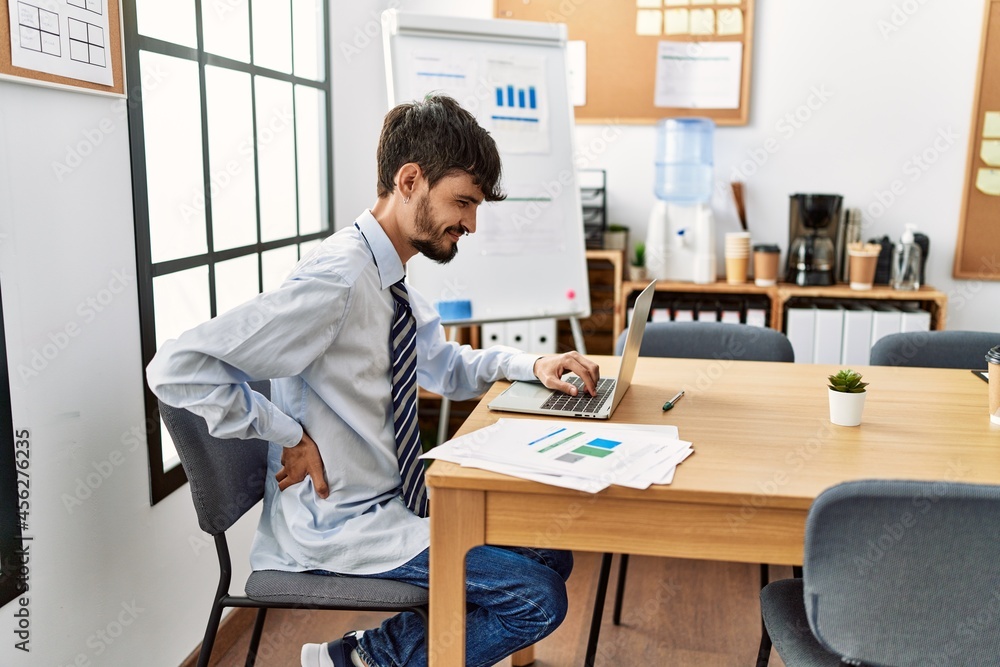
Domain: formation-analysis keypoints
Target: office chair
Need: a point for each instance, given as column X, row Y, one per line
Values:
column 934, row 349
column 227, row 479
column 689, row 340
column 897, row 573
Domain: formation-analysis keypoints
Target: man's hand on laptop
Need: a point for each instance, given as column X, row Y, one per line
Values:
column 299, row 461
column 550, row 369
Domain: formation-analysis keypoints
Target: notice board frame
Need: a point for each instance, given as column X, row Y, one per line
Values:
column 977, row 251
column 621, row 65
column 10, row 72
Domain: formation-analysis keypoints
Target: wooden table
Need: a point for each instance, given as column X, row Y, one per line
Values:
column 764, row 448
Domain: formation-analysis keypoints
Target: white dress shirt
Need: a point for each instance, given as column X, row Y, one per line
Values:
column 322, row 338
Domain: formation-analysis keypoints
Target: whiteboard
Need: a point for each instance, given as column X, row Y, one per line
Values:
column 527, row 258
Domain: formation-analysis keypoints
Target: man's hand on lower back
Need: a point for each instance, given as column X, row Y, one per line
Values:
column 301, row 461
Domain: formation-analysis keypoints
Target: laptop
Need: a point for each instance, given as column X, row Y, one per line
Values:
column 536, row 399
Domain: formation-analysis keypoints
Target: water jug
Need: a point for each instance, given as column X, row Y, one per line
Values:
column 684, row 160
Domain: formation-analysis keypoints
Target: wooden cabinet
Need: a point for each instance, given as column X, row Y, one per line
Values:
column 781, row 295
column 607, row 307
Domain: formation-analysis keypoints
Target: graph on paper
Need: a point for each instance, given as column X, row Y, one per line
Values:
column 516, row 98
column 519, row 118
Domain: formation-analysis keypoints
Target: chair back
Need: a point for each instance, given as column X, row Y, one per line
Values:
column 226, row 476
column 712, row 340
column 905, row 573
column 934, row 349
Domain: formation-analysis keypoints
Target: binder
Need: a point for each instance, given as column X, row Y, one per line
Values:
column 856, row 348
column 708, row 311
column 800, row 327
column 683, row 311
column 829, row 336
column 660, row 315
column 886, row 319
column 757, row 317
column 915, row 320
column 730, row 314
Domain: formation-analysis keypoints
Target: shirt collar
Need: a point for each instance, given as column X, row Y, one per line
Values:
column 390, row 269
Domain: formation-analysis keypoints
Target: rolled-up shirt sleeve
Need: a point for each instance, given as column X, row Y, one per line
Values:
column 277, row 334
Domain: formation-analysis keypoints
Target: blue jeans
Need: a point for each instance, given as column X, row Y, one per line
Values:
column 515, row 596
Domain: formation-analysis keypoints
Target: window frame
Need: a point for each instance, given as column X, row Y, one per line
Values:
column 164, row 481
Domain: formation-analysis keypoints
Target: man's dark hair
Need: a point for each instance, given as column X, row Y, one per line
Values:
column 441, row 137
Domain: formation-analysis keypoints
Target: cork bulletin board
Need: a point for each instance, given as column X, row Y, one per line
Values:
column 627, row 40
column 977, row 253
column 108, row 45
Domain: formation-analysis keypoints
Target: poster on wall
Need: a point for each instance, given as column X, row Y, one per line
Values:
column 63, row 37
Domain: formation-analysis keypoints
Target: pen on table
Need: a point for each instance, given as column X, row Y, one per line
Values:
column 673, row 401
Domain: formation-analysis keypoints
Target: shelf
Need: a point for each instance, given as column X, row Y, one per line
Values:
column 935, row 301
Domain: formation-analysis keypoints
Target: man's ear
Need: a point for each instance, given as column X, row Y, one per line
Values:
column 407, row 178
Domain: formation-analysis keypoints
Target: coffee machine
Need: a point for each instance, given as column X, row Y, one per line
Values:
column 813, row 225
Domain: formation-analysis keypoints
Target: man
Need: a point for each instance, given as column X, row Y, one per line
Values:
column 339, row 341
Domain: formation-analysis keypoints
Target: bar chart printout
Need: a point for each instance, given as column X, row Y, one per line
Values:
column 587, row 457
column 518, row 98
column 519, row 119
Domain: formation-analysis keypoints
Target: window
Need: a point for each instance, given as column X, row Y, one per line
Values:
column 229, row 122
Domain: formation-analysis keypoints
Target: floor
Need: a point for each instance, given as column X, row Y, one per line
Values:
column 679, row 613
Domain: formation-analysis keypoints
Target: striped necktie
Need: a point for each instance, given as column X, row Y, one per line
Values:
column 404, row 402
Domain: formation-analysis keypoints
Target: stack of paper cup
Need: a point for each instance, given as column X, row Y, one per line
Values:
column 737, row 257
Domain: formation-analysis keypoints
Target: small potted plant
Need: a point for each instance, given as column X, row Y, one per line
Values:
column 847, row 397
column 616, row 237
column 637, row 269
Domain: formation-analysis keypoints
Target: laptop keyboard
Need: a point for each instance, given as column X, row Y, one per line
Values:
column 582, row 402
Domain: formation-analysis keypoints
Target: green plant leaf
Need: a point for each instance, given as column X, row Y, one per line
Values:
column 847, row 381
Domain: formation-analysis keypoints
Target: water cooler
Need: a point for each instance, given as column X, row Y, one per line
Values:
column 680, row 241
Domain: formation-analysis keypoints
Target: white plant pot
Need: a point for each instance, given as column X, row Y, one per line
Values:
column 845, row 408
column 615, row 240
column 637, row 273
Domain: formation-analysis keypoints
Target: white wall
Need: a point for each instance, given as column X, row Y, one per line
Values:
column 113, row 581
column 879, row 96
column 360, row 100
column 63, row 239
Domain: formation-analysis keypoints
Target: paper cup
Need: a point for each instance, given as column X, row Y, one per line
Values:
column 736, row 269
column 765, row 265
column 861, row 266
column 993, row 364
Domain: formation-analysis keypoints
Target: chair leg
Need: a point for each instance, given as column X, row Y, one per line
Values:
column 765, row 575
column 211, row 630
column 258, row 629
column 797, row 571
column 620, row 591
column 764, row 652
column 595, row 621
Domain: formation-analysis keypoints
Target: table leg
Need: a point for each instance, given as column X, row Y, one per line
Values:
column 524, row 657
column 458, row 523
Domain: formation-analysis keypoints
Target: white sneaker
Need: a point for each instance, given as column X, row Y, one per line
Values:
column 316, row 655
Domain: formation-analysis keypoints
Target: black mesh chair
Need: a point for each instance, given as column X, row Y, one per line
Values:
column 227, row 479
column 688, row 340
column 897, row 573
column 934, row 349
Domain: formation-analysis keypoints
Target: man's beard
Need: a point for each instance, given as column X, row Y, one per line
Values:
column 426, row 242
